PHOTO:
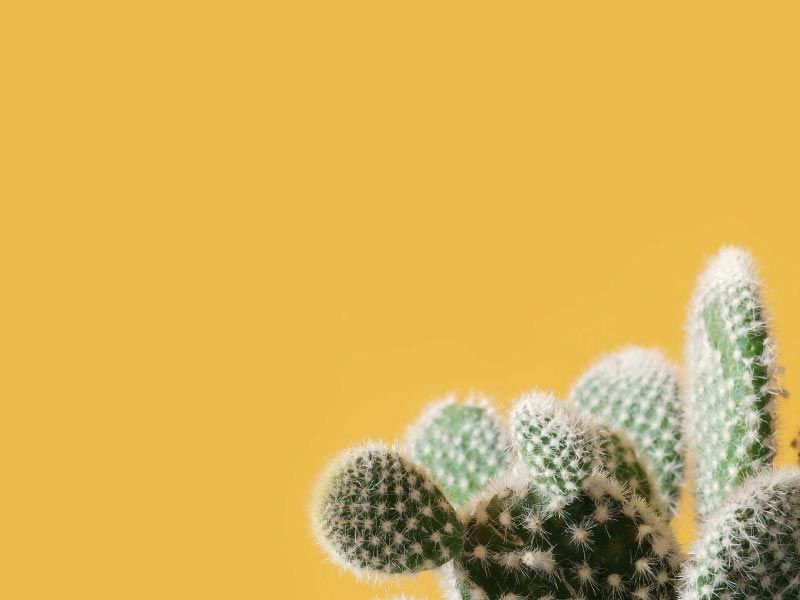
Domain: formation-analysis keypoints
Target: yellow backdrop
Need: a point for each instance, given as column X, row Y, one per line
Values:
column 239, row 236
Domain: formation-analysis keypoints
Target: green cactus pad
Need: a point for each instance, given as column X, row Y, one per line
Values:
column 462, row 445
column 562, row 447
column 622, row 461
column 749, row 547
column 730, row 364
column 636, row 390
column 376, row 512
column 604, row 543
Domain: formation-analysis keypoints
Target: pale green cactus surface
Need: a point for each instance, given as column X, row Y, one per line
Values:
column 636, row 390
column 463, row 445
column 730, row 365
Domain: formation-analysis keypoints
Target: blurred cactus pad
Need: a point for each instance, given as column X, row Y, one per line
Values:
column 573, row 500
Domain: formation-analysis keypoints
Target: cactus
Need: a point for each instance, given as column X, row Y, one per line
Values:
column 730, row 365
column 603, row 543
column 462, row 445
column 568, row 510
column 562, row 448
column 377, row 512
column 636, row 390
column 749, row 547
column 621, row 459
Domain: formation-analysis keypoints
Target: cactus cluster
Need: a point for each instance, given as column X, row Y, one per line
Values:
column 572, row 500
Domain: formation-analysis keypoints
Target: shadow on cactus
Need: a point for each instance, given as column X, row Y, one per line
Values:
column 572, row 500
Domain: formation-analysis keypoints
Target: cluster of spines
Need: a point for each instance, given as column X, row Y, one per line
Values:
column 376, row 512
column 559, row 447
column 463, row 445
column 749, row 547
column 562, row 447
column 636, row 390
column 731, row 387
column 604, row 542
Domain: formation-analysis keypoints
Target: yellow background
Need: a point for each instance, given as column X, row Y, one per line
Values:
column 239, row 236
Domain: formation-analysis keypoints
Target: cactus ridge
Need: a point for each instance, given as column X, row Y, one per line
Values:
column 636, row 390
column 377, row 512
column 463, row 445
column 731, row 384
column 603, row 543
column 749, row 547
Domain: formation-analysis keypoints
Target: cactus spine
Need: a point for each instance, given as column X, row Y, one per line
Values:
column 730, row 363
column 636, row 390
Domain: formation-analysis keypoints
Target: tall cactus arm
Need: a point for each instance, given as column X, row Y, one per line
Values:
column 730, row 365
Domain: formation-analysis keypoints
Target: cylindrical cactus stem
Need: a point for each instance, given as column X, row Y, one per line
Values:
column 561, row 447
column 730, row 367
column 376, row 512
column 603, row 543
column 749, row 547
column 463, row 445
column 636, row 390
